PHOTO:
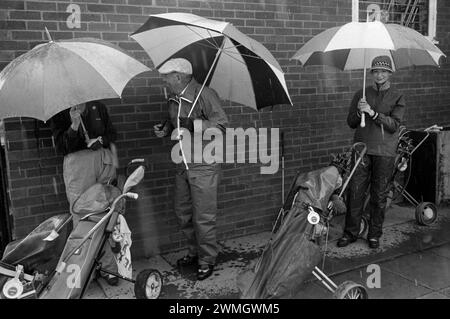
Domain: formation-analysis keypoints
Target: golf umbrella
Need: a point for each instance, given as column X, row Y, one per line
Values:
column 355, row 44
column 239, row 68
column 59, row 74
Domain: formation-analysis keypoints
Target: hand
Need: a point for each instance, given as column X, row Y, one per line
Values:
column 75, row 117
column 95, row 143
column 187, row 123
column 159, row 130
column 363, row 106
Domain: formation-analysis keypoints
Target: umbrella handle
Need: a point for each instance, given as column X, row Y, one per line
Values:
column 218, row 53
column 363, row 115
column 85, row 133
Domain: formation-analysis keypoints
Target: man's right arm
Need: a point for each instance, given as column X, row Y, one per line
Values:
column 163, row 129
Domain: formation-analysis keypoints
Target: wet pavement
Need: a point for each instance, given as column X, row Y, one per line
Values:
column 413, row 261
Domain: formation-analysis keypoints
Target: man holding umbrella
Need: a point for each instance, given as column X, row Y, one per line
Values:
column 195, row 183
column 384, row 108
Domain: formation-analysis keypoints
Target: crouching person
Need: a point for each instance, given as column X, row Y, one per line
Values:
column 84, row 135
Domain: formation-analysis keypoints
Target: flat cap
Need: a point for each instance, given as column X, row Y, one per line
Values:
column 179, row 65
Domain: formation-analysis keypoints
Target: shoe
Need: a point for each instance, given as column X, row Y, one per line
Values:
column 345, row 241
column 204, row 271
column 374, row 243
column 187, row 261
column 112, row 280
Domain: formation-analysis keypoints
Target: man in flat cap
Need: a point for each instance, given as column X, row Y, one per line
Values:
column 195, row 183
column 384, row 108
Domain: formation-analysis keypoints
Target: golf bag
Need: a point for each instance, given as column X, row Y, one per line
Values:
column 294, row 251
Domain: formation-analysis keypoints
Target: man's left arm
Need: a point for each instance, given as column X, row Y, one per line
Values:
column 215, row 115
column 392, row 120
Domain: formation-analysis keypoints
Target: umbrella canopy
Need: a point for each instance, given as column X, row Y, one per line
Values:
column 239, row 68
column 59, row 74
column 355, row 44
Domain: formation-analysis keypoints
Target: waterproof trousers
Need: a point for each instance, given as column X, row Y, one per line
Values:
column 376, row 172
column 81, row 170
column 196, row 209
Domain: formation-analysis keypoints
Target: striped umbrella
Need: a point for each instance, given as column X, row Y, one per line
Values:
column 355, row 44
column 239, row 68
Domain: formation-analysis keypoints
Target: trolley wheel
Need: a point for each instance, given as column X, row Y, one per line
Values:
column 364, row 227
column 426, row 213
column 350, row 290
column 148, row 284
column 3, row 280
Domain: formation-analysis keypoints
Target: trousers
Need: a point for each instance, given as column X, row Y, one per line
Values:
column 196, row 210
column 376, row 172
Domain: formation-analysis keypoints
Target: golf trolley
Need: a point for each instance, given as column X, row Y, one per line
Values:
column 55, row 262
column 425, row 212
column 303, row 221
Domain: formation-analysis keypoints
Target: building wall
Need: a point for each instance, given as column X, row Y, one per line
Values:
column 314, row 128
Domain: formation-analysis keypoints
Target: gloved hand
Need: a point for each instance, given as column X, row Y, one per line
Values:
column 95, row 143
column 363, row 106
column 187, row 123
column 75, row 117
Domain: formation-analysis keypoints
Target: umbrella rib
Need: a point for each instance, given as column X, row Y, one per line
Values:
column 243, row 54
column 211, row 36
column 233, row 57
column 207, row 40
column 206, row 46
column 216, row 45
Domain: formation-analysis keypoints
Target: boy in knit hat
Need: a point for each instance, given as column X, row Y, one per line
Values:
column 384, row 109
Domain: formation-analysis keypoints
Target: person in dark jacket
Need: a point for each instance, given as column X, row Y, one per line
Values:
column 195, row 183
column 84, row 134
column 384, row 110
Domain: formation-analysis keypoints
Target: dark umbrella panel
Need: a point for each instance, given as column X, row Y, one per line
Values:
column 239, row 68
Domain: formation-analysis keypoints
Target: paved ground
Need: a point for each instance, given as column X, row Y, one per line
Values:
column 414, row 262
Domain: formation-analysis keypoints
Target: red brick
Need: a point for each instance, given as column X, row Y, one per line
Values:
column 114, row 1
column 94, row 26
column 40, row 25
column 100, row 8
column 17, row 5
column 12, row 25
column 55, row 16
column 27, row 201
column 109, row 36
column 116, row 18
column 129, row 9
column 164, row 3
column 26, row 35
column 41, row 6
column 25, row 15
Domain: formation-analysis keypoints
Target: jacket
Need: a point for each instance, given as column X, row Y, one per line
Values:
column 97, row 123
column 381, row 131
column 208, row 109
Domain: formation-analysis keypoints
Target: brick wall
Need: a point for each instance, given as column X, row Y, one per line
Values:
column 314, row 127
